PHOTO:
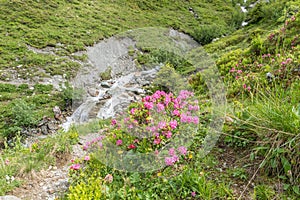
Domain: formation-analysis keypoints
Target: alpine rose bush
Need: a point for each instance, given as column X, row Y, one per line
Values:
column 152, row 123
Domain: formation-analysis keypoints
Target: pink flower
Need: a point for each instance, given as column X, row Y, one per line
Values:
column 131, row 146
column 132, row 111
column 113, row 122
column 85, row 147
column 182, row 150
column 173, row 124
column 162, row 125
column 130, row 126
column 196, row 108
column 87, row 158
column 7, row 162
column 193, row 194
column 172, row 152
column 148, row 105
column 239, row 71
column 189, row 119
column 183, row 118
column 75, row 166
column 175, row 158
column 244, row 86
column 167, row 99
column 176, row 113
column 293, row 18
column 249, row 88
column 157, row 141
column 176, row 105
column 195, row 120
column 191, row 107
column 169, row 161
column 147, row 98
column 271, row 36
column 119, row 142
column 184, row 94
column 72, row 160
column 160, row 107
column 232, row 70
column 168, row 134
column 237, row 77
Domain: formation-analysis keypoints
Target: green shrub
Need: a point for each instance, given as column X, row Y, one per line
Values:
column 70, row 95
column 206, row 33
column 23, row 114
column 90, row 189
column 106, row 75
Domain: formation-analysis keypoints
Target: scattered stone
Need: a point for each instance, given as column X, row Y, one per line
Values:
column 229, row 119
column 51, row 126
column 269, row 76
column 57, row 113
column 44, row 130
column 93, row 92
column 43, row 122
column 105, row 84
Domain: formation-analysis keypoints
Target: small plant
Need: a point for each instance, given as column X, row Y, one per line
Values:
column 239, row 173
column 263, row 192
column 106, row 75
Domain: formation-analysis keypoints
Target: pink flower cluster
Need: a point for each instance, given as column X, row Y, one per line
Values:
column 266, row 55
column 189, row 119
column 169, row 161
column 173, row 124
column 93, row 142
column 75, row 166
column 159, row 116
column 119, row 142
column 287, row 61
column 247, row 87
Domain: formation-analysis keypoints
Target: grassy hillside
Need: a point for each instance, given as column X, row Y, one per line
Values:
column 70, row 26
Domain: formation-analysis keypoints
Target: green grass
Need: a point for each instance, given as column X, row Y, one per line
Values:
column 70, row 26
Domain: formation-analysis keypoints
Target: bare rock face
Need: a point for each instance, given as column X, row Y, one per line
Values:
column 107, row 98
